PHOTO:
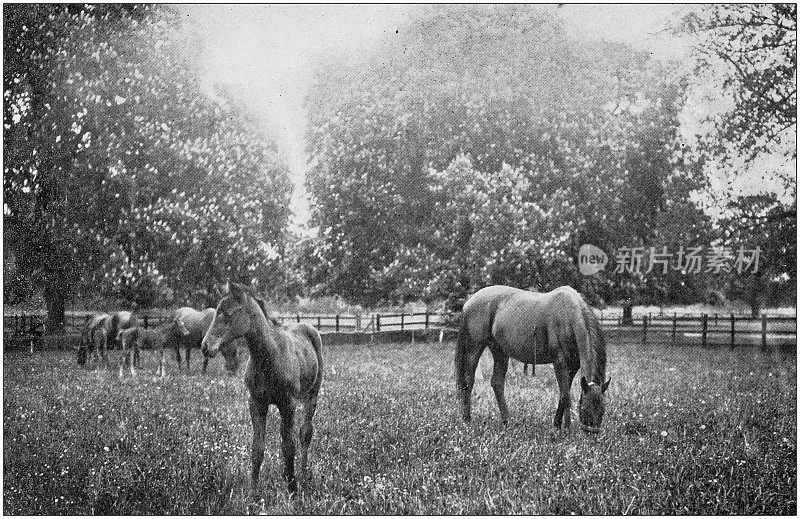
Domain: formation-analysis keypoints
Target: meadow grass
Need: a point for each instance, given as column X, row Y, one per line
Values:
column 687, row 430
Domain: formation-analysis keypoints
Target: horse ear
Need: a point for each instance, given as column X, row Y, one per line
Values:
column 584, row 385
column 605, row 384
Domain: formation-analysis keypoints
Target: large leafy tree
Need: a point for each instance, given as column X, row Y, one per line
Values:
column 124, row 173
column 479, row 145
column 746, row 54
column 55, row 204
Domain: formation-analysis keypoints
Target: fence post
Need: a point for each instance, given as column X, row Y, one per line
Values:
column 704, row 320
column 319, row 322
column 298, row 318
column 377, row 322
column 763, row 331
column 644, row 330
column 402, row 321
column 733, row 332
column 715, row 319
column 144, row 321
column 427, row 318
column 337, row 323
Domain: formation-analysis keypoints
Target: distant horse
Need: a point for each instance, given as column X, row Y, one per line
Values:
column 556, row 327
column 86, row 349
column 101, row 332
column 285, row 367
column 182, row 330
column 192, row 326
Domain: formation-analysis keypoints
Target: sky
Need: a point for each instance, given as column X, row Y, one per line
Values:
column 265, row 54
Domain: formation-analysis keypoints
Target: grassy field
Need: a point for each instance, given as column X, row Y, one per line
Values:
column 698, row 431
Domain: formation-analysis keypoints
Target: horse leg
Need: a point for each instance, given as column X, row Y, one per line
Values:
column 178, row 356
column 286, row 409
column 306, row 432
column 104, row 352
column 161, row 370
column 205, row 364
column 134, row 360
column 258, row 417
column 122, row 363
column 188, row 354
column 499, row 381
column 564, row 376
column 467, row 378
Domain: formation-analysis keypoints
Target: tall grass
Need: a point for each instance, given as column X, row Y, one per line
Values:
column 697, row 431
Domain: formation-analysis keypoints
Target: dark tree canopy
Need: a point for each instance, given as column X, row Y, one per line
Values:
column 124, row 174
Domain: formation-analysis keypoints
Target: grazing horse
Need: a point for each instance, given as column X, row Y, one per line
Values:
column 285, row 367
column 101, row 331
column 556, row 327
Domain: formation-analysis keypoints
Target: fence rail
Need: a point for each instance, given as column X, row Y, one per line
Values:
column 713, row 330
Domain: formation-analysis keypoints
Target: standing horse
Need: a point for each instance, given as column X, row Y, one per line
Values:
column 556, row 327
column 285, row 367
column 86, row 350
column 174, row 334
column 193, row 326
column 136, row 339
column 101, row 331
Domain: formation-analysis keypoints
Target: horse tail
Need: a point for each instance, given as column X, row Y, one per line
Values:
column 316, row 342
column 462, row 348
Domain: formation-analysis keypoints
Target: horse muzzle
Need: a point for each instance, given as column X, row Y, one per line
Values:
column 208, row 351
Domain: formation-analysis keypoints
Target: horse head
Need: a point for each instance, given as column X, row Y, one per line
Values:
column 591, row 406
column 181, row 327
column 232, row 320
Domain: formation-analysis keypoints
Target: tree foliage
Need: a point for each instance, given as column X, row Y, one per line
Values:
column 749, row 52
column 479, row 145
column 124, row 173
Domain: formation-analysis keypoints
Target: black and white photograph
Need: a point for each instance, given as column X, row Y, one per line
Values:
column 399, row 259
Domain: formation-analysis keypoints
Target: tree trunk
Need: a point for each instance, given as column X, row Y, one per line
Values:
column 55, row 298
column 627, row 313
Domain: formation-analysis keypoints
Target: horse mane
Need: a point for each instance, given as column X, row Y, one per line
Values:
column 597, row 341
column 263, row 306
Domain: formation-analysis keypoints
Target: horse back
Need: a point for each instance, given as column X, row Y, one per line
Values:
column 482, row 308
column 196, row 323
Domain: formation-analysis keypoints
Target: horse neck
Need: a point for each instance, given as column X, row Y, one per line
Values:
column 260, row 338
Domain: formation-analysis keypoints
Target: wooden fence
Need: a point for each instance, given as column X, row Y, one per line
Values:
column 705, row 329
